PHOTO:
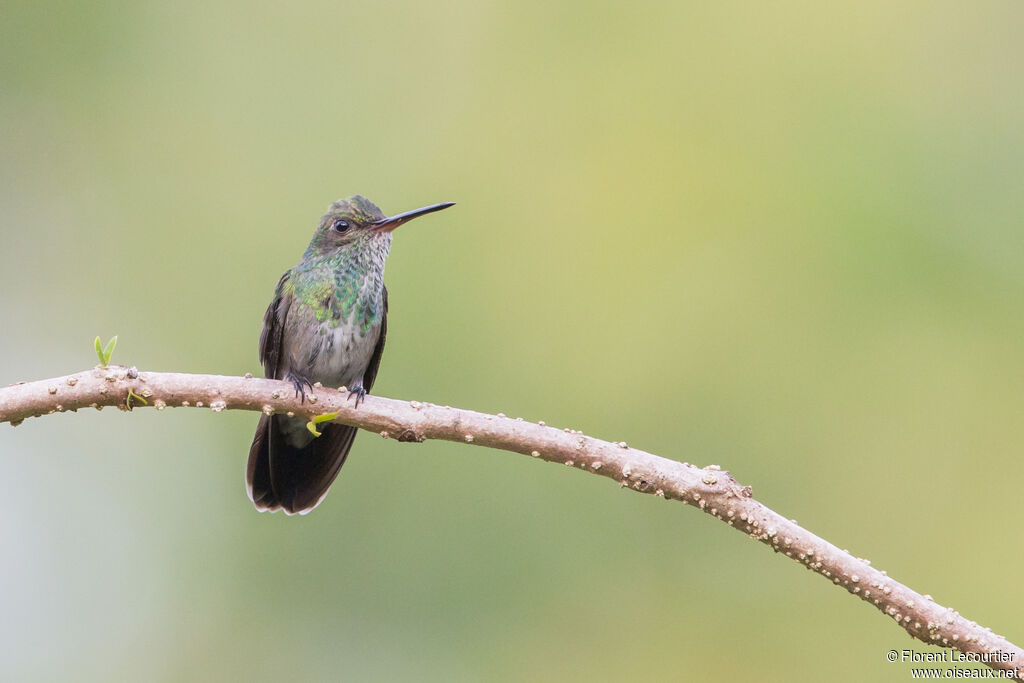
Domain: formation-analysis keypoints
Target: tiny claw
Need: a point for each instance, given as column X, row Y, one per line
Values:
column 360, row 394
column 300, row 383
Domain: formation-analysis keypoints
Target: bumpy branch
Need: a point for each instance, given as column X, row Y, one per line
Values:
column 709, row 489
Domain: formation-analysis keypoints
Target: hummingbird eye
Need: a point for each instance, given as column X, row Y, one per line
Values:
column 340, row 225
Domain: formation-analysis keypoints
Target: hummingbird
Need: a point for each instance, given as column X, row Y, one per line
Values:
column 326, row 323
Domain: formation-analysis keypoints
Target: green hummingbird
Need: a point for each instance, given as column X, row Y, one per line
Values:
column 327, row 323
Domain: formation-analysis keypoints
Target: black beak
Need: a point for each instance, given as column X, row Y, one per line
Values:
column 391, row 222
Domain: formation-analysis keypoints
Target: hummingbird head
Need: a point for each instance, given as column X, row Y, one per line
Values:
column 356, row 221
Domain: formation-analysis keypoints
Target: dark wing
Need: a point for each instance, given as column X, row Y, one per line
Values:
column 378, row 350
column 273, row 329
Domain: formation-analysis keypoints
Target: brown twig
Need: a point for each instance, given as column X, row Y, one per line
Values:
column 710, row 489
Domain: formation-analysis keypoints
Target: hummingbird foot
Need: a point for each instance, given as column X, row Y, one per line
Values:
column 300, row 384
column 359, row 392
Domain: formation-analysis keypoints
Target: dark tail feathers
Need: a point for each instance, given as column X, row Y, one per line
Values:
column 283, row 477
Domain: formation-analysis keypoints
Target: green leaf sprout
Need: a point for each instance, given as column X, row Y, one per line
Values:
column 104, row 354
column 311, row 425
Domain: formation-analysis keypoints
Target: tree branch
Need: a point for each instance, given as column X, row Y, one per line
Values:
column 709, row 489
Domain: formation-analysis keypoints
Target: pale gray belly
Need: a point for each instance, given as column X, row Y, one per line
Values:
column 334, row 356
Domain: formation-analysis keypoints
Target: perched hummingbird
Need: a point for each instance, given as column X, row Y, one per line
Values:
column 326, row 324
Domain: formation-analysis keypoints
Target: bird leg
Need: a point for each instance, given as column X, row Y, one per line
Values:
column 300, row 383
column 359, row 392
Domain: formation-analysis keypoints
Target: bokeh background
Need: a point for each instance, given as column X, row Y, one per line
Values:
column 782, row 237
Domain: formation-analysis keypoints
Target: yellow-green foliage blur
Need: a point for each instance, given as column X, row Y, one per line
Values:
column 785, row 238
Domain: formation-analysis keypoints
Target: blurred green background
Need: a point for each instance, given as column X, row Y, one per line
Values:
column 781, row 237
